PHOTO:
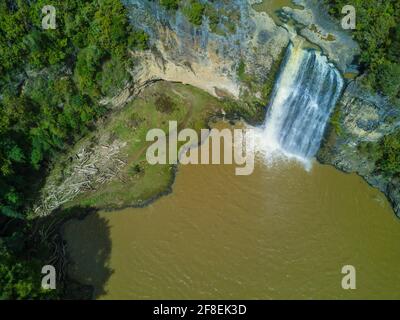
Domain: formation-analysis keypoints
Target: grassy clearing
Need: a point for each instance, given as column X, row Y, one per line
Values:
column 154, row 108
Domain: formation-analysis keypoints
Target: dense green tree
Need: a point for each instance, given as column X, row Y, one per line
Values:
column 378, row 33
column 113, row 75
column 87, row 66
column 170, row 4
column 388, row 78
column 20, row 273
column 389, row 162
column 194, row 11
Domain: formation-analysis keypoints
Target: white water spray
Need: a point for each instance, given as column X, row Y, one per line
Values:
column 304, row 96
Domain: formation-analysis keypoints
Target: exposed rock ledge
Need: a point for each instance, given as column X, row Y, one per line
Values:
column 319, row 28
column 194, row 55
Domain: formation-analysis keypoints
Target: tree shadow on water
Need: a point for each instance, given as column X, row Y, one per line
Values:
column 86, row 236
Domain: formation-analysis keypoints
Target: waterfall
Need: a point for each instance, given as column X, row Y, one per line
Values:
column 304, row 96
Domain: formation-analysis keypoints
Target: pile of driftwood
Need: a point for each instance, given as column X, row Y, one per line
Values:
column 89, row 168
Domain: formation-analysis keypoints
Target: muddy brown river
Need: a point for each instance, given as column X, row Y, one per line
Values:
column 281, row 232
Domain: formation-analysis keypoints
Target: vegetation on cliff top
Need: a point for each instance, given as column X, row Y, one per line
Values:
column 378, row 33
column 385, row 153
column 192, row 9
column 220, row 20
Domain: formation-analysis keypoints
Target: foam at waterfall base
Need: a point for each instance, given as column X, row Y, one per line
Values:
column 271, row 154
column 302, row 101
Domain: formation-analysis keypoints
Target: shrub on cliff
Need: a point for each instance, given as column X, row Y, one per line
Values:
column 170, row 4
column 389, row 163
column 384, row 153
column 194, row 11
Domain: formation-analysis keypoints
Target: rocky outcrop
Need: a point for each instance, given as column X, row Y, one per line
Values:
column 315, row 24
column 363, row 117
column 208, row 60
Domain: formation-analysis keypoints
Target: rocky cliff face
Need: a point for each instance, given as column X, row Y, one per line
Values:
column 362, row 117
column 209, row 60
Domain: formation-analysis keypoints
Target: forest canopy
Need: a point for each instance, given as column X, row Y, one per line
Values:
column 378, row 33
column 51, row 82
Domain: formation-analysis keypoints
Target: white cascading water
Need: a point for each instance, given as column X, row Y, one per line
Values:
column 304, row 96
